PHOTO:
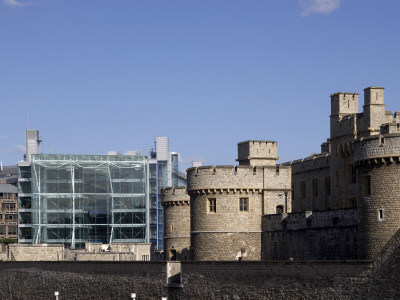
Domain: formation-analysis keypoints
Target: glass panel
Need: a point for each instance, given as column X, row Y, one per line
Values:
column 87, row 197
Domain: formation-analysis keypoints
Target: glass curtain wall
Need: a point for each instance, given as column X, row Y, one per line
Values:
column 97, row 198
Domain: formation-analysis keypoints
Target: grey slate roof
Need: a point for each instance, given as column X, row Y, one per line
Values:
column 8, row 188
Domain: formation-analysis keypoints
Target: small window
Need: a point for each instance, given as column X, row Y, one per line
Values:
column 279, row 209
column 315, row 188
column 303, row 189
column 212, row 205
column 327, row 186
column 380, row 214
column 244, row 204
column 367, row 186
column 172, row 228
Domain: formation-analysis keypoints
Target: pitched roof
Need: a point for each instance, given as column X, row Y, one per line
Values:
column 8, row 188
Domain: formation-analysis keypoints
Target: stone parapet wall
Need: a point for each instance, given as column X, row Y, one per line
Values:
column 105, row 256
column 42, row 252
column 218, row 177
column 311, row 220
column 174, row 194
column 311, row 235
column 277, row 177
column 318, row 161
column 377, row 146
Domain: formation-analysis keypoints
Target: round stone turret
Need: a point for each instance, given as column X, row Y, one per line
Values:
column 377, row 159
column 226, row 209
column 176, row 204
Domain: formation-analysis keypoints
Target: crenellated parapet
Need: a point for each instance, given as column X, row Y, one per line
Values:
column 377, row 148
column 174, row 196
column 258, row 153
column 224, row 177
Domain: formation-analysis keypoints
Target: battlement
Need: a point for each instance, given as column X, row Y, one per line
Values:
column 308, row 220
column 177, row 194
column 377, row 146
column 224, row 177
column 373, row 95
column 344, row 103
column 257, row 153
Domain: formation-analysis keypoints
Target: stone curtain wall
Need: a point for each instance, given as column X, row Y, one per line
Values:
column 206, row 280
column 201, row 280
column 323, row 235
column 82, row 280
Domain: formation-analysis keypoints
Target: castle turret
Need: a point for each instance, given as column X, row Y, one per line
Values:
column 374, row 109
column 176, row 203
column 342, row 105
column 378, row 168
column 226, row 209
column 257, row 153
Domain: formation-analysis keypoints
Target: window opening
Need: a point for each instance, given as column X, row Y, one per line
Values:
column 244, row 204
column 367, row 186
column 212, row 205
column 380, row 214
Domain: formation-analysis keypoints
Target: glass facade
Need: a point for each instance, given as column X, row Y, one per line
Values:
column 163, row 173
column 97, row 198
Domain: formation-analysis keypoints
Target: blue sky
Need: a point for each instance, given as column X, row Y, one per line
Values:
column 111, row 75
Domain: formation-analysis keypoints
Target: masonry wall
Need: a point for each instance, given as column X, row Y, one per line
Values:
column 378, row 279
column 176, row 204
column 202, row 280
column 227, row 233
column 324, row 235
column 43, row 252
column 304, row 173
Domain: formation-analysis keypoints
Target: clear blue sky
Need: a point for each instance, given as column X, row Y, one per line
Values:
column 111, row 75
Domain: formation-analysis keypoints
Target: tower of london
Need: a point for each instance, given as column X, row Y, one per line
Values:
column 343, row 203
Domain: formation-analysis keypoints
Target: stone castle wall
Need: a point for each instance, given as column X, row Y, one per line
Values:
column 377, row 146
column 379, row 211
column 258, row 153
column 218, row 177
column 176, row 204
column 43, row 252
column 323, row 235
column 306, row 173
column 203, row 280
column 277, row 189
column 378, row 164
column 227, row 233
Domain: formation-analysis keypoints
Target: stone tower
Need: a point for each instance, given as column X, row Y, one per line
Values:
column 226, row 209
column 378, row 168
column 257, row 153
column 176, row 204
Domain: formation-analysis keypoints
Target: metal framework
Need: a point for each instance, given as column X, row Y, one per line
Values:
column 80, row 198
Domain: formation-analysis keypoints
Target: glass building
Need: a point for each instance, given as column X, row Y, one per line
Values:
column 163, row 166
column 73, row 199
